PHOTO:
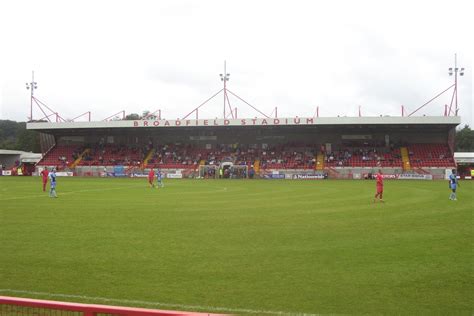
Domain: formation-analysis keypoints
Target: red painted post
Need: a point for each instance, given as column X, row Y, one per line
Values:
column 432, row 100
column 225, row 89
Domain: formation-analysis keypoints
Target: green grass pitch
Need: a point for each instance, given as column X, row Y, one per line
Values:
column 240, row 246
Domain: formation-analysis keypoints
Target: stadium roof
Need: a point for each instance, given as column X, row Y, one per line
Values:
column 464, row 157
column 294, row 121
column 10, row 152
column 23, row 155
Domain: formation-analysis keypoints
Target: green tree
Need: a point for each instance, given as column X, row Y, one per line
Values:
column 28, row 141
column 465, row 139
column 132, row 117
column 14, row 135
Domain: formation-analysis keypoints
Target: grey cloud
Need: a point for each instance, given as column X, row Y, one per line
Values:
column 176, row 76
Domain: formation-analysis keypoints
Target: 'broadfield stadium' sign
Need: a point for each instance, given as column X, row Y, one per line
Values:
column 249, row 122
column 226, row 122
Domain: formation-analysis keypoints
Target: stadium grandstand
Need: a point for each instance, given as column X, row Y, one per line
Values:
column 337, row 147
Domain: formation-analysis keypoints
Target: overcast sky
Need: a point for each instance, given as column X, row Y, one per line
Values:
column 108, row 56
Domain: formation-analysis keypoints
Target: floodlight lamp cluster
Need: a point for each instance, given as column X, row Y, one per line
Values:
column 456, row 70
column 33, row 85
column 226, row 77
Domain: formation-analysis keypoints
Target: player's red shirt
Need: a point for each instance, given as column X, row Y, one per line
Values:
column 151, row 174
column 379, row 179
column 45, row 174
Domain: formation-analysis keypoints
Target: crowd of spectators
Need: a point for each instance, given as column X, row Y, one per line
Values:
column 289, row 156
column 111, row 154
column 189, row 155
column 364, row 156
column 280, row 156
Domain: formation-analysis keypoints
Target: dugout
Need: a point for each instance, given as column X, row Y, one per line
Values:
column 465, row 164
column 17, row 162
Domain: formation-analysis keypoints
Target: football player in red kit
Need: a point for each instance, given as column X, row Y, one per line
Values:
column 44, row 174
column 379, row 181
column 151, row 178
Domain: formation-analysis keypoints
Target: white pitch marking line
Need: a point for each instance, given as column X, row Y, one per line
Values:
column 219, row 189
column 180, row 306
column 45, row 194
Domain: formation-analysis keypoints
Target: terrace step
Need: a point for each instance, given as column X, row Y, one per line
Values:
column 319, row 161
column 78, row 160
column 148, row 157
column 256, row 166
column 405, row 158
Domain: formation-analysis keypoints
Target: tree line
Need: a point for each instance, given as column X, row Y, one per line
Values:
column 15, row 136
column 464, row 139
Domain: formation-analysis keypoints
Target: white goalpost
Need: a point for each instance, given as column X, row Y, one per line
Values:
column 223, row 171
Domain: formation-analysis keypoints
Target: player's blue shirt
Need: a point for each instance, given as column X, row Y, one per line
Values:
column 52, row 178
column 453, row 181
column 158, row 176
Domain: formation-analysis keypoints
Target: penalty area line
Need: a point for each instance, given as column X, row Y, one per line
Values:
column 138, row 302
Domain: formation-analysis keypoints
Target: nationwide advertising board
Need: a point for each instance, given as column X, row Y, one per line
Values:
column 309, row 177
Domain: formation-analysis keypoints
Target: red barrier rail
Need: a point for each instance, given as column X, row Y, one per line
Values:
column 86, row 309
